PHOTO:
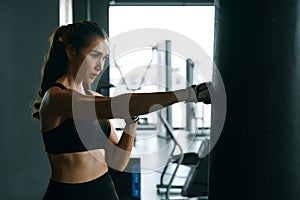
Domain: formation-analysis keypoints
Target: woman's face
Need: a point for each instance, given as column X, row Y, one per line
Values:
column 92, row 59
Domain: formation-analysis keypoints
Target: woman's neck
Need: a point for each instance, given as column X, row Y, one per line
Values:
column 71, row 83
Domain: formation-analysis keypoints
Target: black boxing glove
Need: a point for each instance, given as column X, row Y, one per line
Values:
column 199, row 93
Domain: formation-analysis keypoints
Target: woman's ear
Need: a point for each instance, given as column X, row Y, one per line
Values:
column 70, row 52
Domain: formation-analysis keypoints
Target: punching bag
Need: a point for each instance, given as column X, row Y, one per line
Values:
column 257, row 52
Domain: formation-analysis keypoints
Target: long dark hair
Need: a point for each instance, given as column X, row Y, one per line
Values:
column 55, row 65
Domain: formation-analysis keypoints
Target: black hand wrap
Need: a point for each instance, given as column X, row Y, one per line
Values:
column 131, row 120
column 194, row 93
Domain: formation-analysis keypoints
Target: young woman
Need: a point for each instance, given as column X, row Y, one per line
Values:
column 79, row 138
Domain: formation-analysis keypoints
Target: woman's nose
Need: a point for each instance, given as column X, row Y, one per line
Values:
column 99, row 65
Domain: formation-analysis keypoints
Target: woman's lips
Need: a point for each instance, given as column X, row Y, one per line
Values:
column 94, row 75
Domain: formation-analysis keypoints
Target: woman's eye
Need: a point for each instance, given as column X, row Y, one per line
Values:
column 95, row 55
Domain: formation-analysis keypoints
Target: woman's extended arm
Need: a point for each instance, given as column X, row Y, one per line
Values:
column 72, row 104
column 134, row 104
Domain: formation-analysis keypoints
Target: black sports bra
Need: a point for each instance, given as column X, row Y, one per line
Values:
column 76, row 135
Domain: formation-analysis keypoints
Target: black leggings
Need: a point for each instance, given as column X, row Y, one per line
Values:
column 101, row 188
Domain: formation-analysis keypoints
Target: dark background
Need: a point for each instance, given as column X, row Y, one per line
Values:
column 25, row 28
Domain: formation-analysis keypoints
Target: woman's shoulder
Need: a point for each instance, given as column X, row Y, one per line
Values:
column 54, row 92
column 95, row 93
column 55, row 96
column 56, row 101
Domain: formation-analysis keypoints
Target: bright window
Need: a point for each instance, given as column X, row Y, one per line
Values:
column 195, row 22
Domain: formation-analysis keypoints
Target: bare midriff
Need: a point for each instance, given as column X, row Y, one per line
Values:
column 77, row 167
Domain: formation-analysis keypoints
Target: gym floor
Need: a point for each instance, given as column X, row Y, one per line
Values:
column 154, row 152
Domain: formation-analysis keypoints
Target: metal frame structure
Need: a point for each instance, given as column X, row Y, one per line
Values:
column 162, row 3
